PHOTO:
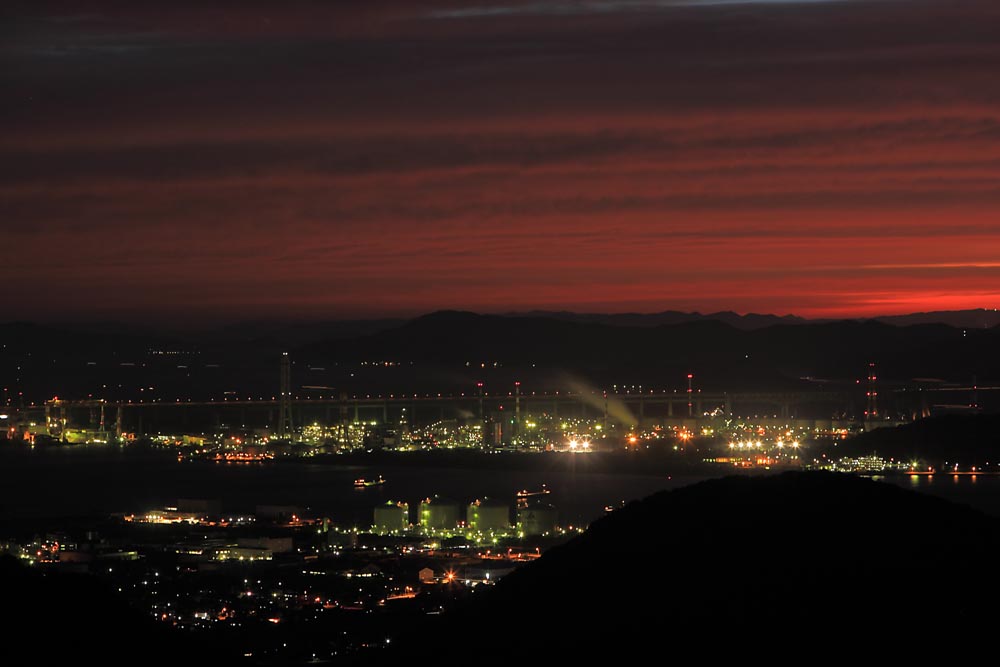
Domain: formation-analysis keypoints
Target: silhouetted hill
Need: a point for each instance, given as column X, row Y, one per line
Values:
column 965, row 439
column 779, row 567
column 901, row 353
column 979, row 318
column 285, row 335
column 462, row 336
column 450, row 351
column 59, row 340
column 717, row 352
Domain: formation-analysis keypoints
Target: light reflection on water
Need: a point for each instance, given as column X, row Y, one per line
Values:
column 74, row 481
column 979, row 491
column 81, row 481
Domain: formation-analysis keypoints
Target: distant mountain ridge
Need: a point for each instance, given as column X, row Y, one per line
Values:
column 964, row 439
column 981, row 318
column 977, row 318
column 299, row 331
column 748, row 321
column 449, row 351
column 716, row 350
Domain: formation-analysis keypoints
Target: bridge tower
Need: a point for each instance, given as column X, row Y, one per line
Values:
column 482, row 414
column 690, row 392
column 285, row 403
column 517, row 409
column 871, row 409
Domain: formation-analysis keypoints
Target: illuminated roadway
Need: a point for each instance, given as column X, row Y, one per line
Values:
column 621, row 406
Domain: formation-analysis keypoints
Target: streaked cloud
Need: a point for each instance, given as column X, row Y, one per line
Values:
column 816, row 158
column 587, row 7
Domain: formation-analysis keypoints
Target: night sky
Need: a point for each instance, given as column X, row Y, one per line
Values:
column 356, row 159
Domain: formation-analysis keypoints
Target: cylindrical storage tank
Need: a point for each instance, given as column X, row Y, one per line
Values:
column 489, row 516
column 537, row 519
column 438, row 514
column 391, row 517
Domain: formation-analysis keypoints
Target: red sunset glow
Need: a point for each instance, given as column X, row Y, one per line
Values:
column 392, row 158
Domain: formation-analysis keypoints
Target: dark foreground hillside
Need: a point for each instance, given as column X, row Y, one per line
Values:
column 798, row 565
column 55, row 618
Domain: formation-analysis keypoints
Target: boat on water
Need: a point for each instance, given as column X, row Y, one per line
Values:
column 226, row 457
column 243, row 457
column 525, row 497
column 361, row 482
column 612, row 508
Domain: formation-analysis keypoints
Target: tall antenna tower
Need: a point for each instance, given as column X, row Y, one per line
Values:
column 482, row 413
